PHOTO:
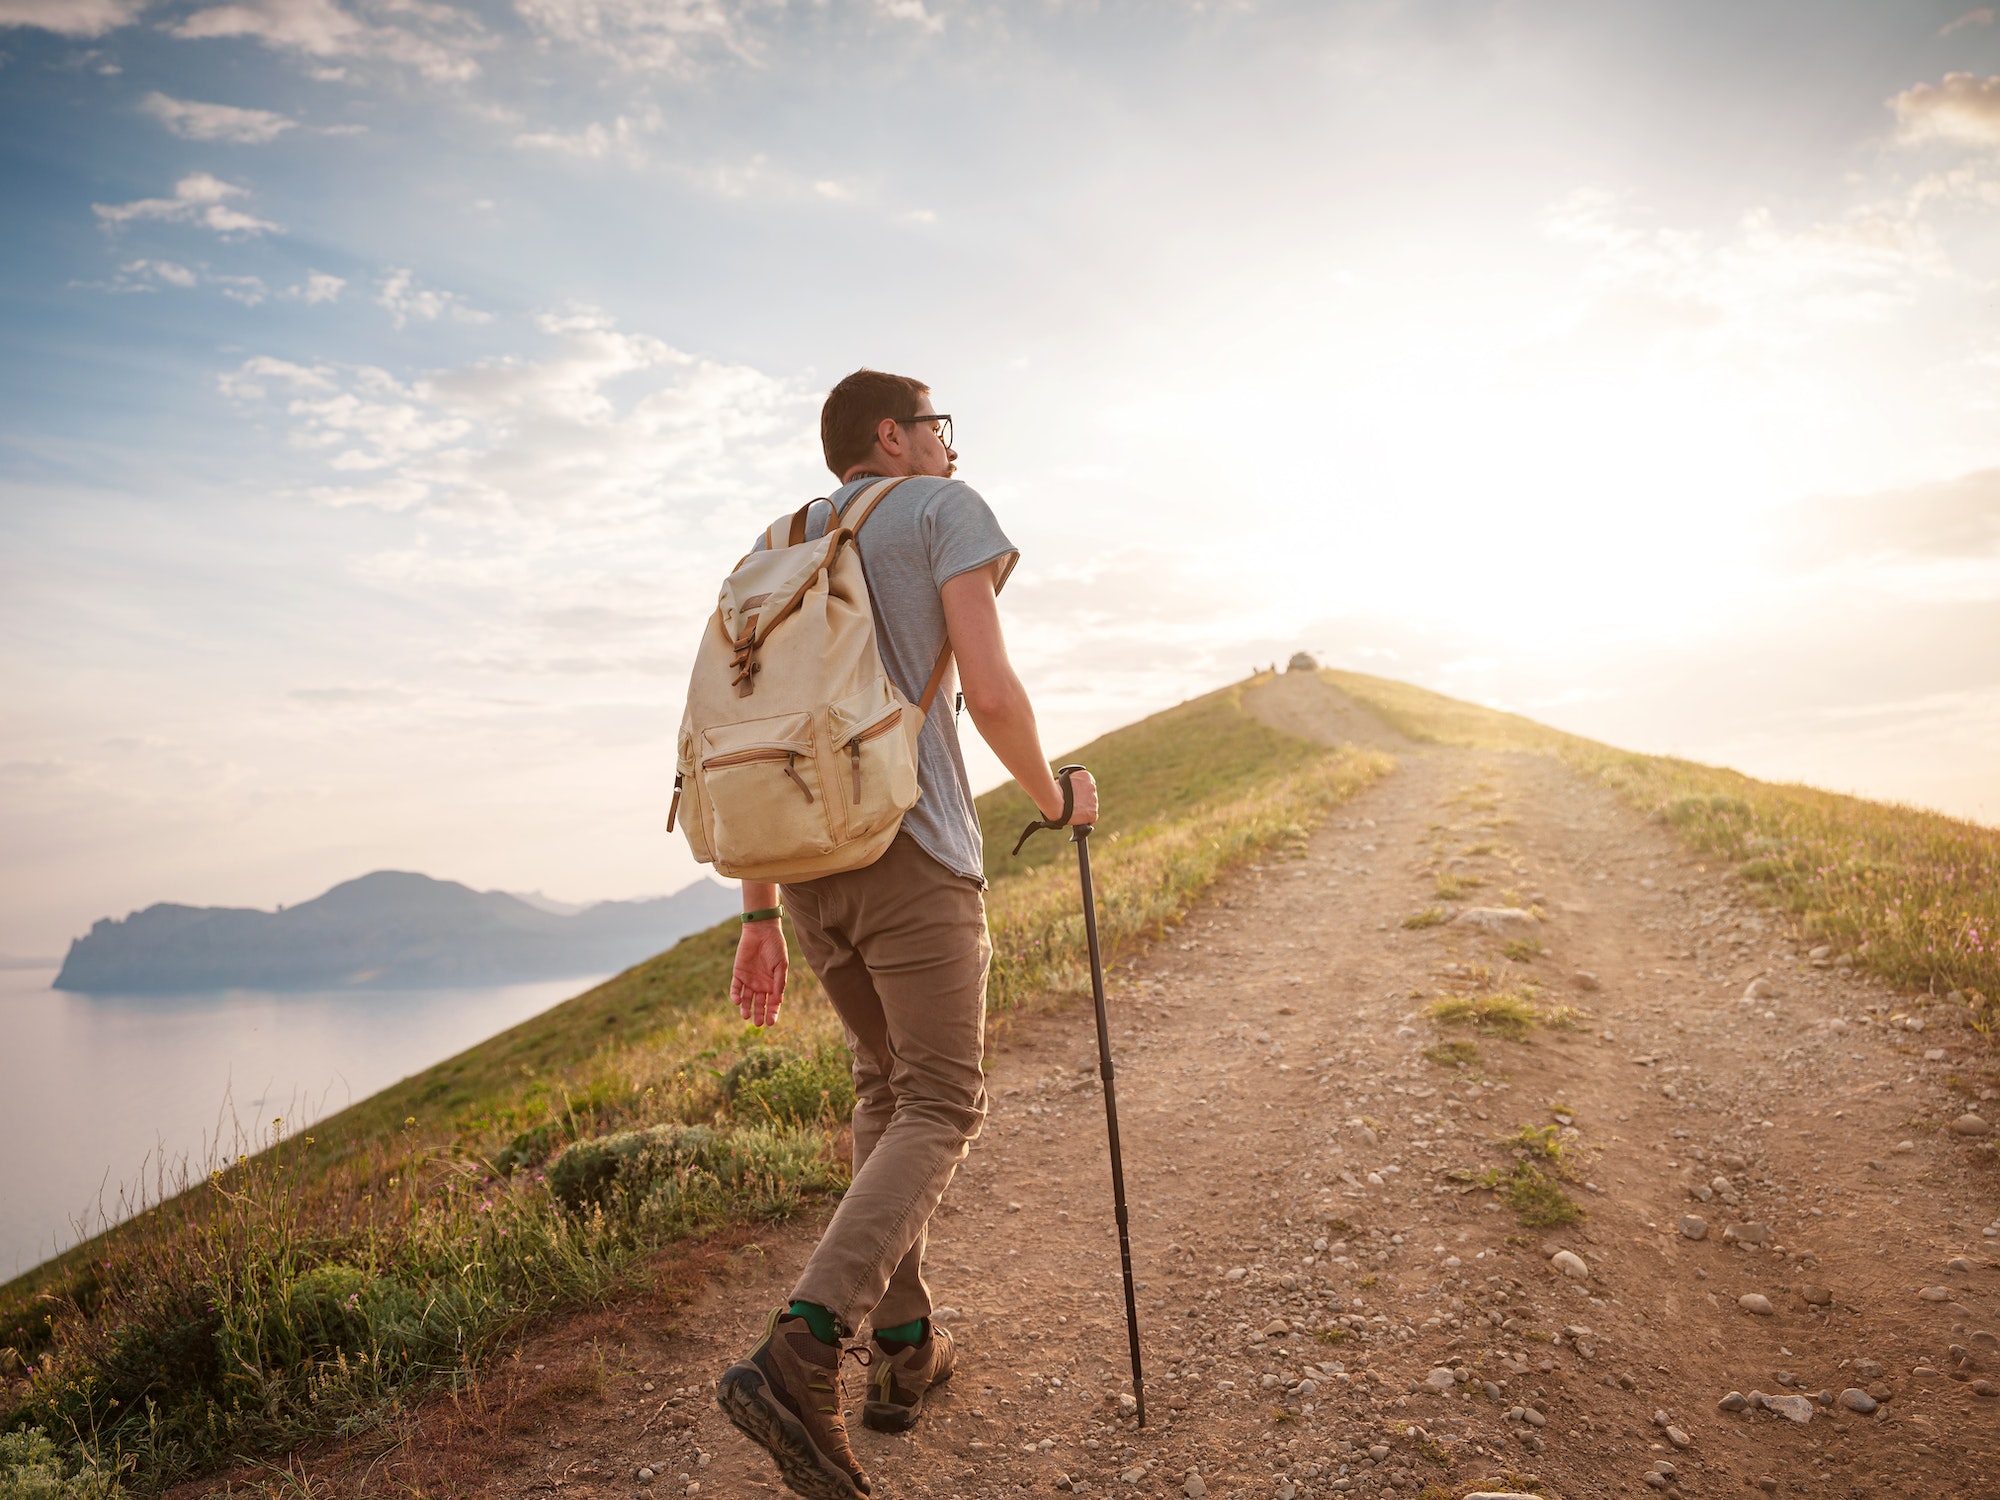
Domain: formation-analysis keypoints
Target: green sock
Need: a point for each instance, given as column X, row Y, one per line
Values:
column 908, row 1334
column 825, row 1327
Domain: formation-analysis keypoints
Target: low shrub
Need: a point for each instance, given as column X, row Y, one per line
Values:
column 792, row 1088
column 33, row 1468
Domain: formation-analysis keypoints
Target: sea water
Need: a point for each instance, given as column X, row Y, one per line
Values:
column 104, row 1092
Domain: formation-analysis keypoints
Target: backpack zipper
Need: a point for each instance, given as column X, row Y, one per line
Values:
column 754, row 757
column 874, row 731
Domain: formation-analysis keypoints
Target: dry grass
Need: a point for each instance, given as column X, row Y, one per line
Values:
column 1430, row 916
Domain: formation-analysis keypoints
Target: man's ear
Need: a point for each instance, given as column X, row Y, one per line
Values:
column 889, row 437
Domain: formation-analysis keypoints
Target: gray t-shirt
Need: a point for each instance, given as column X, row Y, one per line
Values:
column 923, row 534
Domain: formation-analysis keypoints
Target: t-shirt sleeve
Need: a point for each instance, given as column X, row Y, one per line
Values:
column 961, row 533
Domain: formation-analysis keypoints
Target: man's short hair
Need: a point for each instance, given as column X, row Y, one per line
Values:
column 856, row 407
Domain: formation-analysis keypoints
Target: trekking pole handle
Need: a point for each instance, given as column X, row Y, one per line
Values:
column 1069, row 807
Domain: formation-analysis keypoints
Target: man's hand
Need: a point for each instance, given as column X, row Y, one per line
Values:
column 757, row 987
column 1083, row 788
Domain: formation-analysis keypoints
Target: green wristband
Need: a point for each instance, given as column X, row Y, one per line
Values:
column 768, row 914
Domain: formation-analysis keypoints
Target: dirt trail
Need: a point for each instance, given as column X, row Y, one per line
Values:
column 1290, row 1152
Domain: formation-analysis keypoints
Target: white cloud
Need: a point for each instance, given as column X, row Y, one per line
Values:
column 1981, row 17
column 670, row 35
column 913, row 11
column 215, row 122
column 319, row 286
column 70, row 17
column 624, row 137
column 249, row 290
column 1963, row 108
column 1760, row 281
column 145, row 275
column 198, row 199
column 406, row 301
column 599, row 431
column 321, row 29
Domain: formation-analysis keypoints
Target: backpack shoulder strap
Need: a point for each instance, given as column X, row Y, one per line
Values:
column 862, row 506
column 859, row 509
column 936, row 682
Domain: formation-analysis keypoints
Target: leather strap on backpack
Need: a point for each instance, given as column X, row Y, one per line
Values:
column 859, row 509
column 862, row 506
column 937, row 680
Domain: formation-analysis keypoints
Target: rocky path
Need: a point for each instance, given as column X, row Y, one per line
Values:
column 1775, row 1205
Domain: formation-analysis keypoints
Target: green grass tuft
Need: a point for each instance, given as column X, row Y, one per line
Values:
column 1509, row 1013
column 1538, row 1199
column 1453, row 1054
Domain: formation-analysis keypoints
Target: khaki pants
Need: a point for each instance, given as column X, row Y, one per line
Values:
column 902, row 949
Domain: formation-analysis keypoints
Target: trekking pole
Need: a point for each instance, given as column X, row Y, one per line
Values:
column 1080, row 836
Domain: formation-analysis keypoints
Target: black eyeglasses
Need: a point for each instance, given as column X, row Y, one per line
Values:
column 940, row 424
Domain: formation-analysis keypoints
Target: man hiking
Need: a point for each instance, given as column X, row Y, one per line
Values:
column 900, row 946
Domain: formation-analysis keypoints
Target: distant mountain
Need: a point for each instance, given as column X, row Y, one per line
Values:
column 389, row 930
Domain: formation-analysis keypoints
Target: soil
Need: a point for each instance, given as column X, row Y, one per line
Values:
column 1305, row 1207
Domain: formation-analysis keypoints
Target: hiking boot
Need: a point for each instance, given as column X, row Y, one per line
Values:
column 784, row 1395
column 900, row 1377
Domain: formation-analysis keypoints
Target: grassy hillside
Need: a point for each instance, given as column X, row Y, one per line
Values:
column 1911, row 895
column 313, row 1286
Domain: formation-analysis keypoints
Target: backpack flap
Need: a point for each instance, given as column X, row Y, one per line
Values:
column 765, row 588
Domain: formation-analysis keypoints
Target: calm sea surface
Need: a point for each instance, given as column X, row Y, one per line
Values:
column 100, row 1089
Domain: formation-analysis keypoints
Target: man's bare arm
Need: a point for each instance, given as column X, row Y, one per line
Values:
column 996, row 699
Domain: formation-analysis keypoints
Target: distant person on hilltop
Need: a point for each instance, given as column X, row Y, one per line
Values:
column 900, row 945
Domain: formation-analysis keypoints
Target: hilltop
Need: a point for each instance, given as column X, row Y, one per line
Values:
column 391, row 930
column 1339, row 1055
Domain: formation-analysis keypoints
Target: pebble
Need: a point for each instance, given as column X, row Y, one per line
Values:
column 1969, row 1124
column 1134, row 1474
column 1859, row 1401
column 1235, row 1273
column 1816, row 1296
column 1570, row 1264
column 1734, row 1401
column 1869, row 1369
column 1694, row 1227
column 1678, row 1438
column 1752, row 1233
column 1656, row 1479
column 1755, row 1302
column 1985, row 1388
column 1794, row 1408
column 644, row 1474
column 1195, row 1488
column 1276, row 1327
column 1500, row 1495
column 1127, row 1404
column 1935, row 1293
column 1441, row 1380
column 1583, row 979
column 1959, row 1264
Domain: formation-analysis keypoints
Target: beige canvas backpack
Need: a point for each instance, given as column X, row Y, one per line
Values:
column 797, row 754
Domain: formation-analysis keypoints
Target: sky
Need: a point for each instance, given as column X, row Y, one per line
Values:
column 385, row 386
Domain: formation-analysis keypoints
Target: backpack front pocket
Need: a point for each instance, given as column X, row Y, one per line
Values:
column 877, row 771
column 765, row 801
